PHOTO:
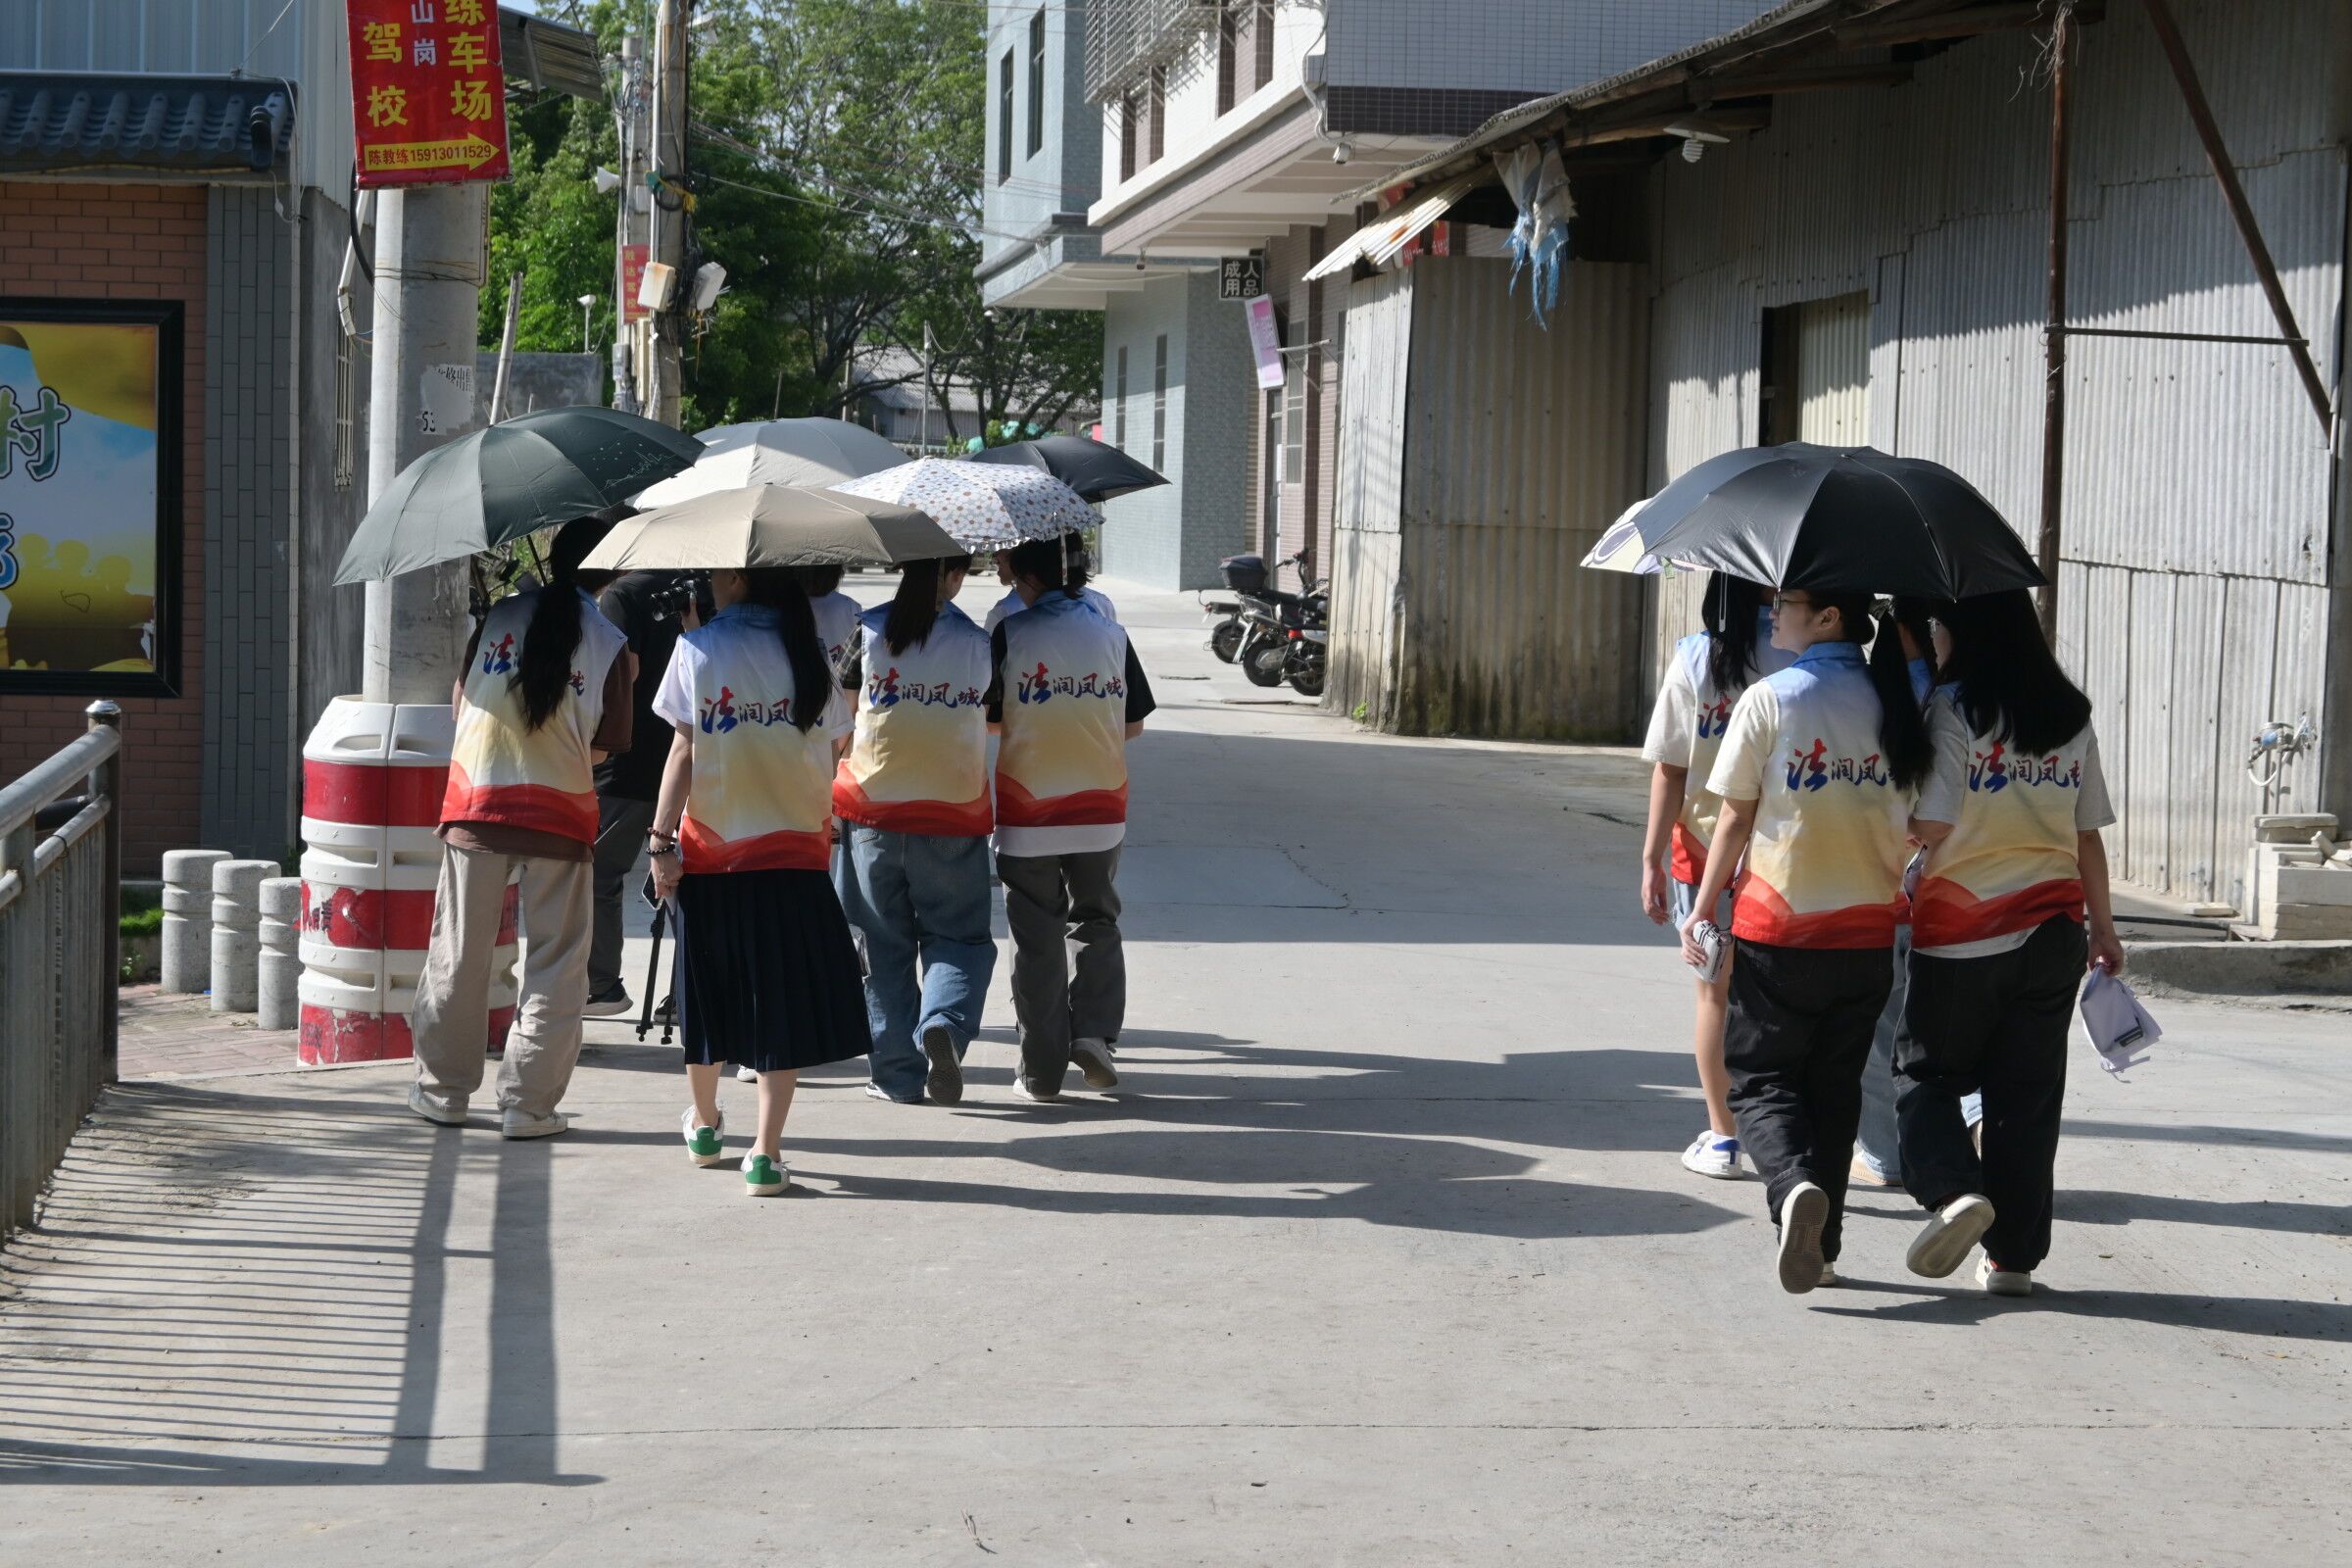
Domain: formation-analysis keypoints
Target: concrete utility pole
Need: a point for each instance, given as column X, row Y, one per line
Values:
column 428, row 284
column 628, row 335
column 670, row 213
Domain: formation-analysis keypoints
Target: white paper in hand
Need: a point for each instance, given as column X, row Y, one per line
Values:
column 2116, row 1026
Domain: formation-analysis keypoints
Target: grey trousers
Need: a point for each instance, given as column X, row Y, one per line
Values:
column 451, row 1019
column 619, row 840
column 1070, row 970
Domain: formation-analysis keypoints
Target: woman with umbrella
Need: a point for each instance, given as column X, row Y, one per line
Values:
column 1068, row 695
column 914, row 792
column 1705, row 676
column 2010, row 812
column 544, row 695
column 1815, row 773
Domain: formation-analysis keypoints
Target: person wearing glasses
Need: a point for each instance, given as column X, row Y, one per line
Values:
column 1815, row 773
column 2011, row 814
column 1704, row 677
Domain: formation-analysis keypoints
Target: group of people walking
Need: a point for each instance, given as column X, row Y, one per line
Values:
column 819, row 828
column 1887, row 866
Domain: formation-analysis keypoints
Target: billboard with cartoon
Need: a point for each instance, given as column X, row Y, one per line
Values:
column 89, row 496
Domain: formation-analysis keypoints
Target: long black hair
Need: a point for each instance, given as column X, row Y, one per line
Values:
column 915, row 606
column 819, row 581
column 1902, row 728
column 783, row 590
column 2011, row 685
column 1729, row 613
column 553, row 633
column 1056, row 563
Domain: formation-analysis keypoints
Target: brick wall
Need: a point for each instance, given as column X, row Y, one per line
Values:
column 140, row 242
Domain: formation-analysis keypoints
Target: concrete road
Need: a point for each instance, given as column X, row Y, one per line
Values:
column 1381, row 1257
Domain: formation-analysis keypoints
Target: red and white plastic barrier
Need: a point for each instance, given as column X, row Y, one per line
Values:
column 372, row 778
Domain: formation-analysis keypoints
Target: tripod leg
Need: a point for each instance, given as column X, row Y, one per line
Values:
column 653, row 966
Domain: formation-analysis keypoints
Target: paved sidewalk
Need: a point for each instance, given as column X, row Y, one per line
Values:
column 1381, row 1257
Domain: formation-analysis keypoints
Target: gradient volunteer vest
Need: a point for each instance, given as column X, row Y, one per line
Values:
column 761, row 797
column 919, row 763
column 1824, row 865
column 539, row 779
column 1695, row 829
column 2011, row 860
column 1062, row 760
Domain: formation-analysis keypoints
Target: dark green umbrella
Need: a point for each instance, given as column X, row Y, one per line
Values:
column 522, row 475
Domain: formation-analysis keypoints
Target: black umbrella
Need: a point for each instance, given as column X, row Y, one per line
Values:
column 522, row 474
column 1096, row 472
column 1836, row 519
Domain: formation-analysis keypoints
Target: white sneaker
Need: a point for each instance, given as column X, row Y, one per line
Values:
column 1951, row 1232
column 1092, row 1058
column 703, row 1138
column 1803, row 1213
column 1828, row 1275
column 1036, row 1096
column 434, row 1111
column 515, row 1124
column 749, row 1075
column 1712, row 1155
column 874, row 1091
column 1998, row 1281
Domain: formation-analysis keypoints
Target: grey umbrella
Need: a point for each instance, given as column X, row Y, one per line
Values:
column 771, row 525
column 522, row 475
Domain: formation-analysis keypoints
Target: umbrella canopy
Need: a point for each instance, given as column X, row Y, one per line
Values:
column 803, row 452
column 1621, row 550
column 770, row 525
column 986, row 506
column 1836, row 519
column 1095, row 470
column 522, row 474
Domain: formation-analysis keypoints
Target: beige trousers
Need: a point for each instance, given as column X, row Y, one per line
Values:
column 451, row 1022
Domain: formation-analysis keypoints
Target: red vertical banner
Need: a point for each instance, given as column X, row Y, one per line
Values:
column 632, row 276
column 428, row 92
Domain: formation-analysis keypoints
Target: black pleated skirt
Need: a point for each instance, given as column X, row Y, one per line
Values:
column 766, row 972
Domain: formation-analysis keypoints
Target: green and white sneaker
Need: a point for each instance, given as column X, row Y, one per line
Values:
column 702, row 1145
column 764, row 1177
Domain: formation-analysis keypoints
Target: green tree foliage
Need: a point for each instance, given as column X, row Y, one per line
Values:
column 838, row 164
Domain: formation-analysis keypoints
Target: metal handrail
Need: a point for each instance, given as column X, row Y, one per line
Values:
column 61, row 881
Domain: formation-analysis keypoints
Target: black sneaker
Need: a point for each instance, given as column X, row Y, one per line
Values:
column 610, row 1002
column 946, row 1082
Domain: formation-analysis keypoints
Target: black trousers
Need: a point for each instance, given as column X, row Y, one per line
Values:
column 1054, row 905
column 1794, row 1044
column 621, row 825
column 1996, row 1024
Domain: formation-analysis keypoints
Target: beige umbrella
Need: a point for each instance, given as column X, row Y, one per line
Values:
column 770, row 525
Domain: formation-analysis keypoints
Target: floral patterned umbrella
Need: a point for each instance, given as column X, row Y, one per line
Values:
column 984, row 506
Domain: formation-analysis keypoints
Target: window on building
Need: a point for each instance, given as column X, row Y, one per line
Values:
column 1118, row 405
column 1228, row 25
column 1130, row 119
column 1036, row 83
column 1159, row 403
column 1262, row 42
column 1158, row 114
column 1004, row 117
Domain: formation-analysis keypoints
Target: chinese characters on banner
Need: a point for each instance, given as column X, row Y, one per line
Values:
column 428, row 94
column 88, row 496
column 632, row 278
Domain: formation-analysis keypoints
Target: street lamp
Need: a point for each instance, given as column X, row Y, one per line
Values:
column 587, row 312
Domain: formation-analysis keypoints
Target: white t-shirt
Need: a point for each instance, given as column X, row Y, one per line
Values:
column 837, row 627
column 1011, row 605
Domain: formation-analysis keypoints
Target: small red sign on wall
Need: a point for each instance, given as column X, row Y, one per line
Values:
column 428, row 93
column 632, row 278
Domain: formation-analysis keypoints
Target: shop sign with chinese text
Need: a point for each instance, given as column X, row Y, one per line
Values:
column 428, row 94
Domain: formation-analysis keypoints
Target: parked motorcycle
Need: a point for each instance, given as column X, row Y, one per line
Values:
column 1223, row 617
column 1283, row 635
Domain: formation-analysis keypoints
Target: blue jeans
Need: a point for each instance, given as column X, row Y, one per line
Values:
column 1876, row 1140
column 917, row 896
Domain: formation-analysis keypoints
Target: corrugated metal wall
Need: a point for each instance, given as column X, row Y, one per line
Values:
column 2197, row 502
column 1365, row 608
column 1832, row 371
column 1517, row 447
column 307, row 45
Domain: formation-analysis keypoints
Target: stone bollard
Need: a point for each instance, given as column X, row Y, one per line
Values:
column 280, row 970
column 237, row 932
column 187, row 956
